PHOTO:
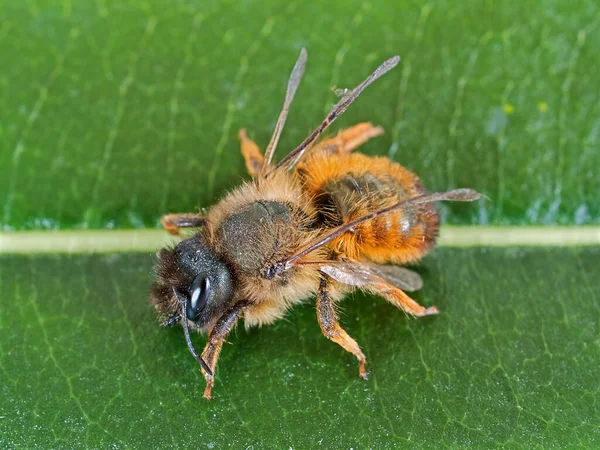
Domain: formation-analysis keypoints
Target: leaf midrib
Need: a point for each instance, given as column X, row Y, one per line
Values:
column 148, row 240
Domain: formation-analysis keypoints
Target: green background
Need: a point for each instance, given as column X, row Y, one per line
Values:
column 114, row 113
column 511, row 362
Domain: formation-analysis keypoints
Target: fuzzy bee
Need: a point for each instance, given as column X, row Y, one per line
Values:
column 322, row 221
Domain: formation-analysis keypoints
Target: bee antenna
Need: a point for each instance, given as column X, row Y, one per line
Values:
column 348, row 97
column 293, row 83
column 188, row 339
column 172, row 320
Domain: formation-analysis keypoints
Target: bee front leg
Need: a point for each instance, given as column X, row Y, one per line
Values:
column 173, row 222
column 328, row 320
column 216, row 337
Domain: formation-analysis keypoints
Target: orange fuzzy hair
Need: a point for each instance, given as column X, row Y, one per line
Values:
column 383, row 239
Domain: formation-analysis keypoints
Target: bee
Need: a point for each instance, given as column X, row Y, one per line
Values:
column 322, row 221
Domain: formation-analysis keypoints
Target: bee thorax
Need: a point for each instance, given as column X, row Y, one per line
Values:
column 253, row 235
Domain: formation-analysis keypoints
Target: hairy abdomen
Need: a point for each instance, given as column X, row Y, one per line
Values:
column 347, row 187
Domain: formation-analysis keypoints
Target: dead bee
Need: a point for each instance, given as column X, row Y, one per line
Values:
column 321, row 221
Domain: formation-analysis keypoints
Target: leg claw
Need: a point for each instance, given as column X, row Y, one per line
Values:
column 362, row 371
column 432, row 310
column 207, row 392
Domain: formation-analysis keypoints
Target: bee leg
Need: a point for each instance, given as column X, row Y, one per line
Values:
column 216, row 338
column 173, row 222
column 349, row 139
column 252, row 156
column 398, row 298
column 328, row 320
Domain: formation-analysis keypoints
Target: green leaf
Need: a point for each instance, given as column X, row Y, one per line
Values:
column 113, row 113
column 511, row 362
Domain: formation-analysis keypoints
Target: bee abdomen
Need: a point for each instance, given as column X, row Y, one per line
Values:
column 361, row 185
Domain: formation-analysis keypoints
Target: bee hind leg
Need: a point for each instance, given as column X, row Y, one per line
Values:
column 253, row 157
column 172, row 223
column 398, row 298
column 328, row 320
column 349, row 139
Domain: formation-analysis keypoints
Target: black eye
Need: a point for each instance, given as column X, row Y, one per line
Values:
column 199, row 292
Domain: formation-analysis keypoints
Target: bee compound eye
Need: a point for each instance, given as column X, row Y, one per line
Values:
column 199, row 293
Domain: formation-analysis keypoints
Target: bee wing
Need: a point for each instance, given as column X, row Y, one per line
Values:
column 457, row 195
column 353, row 274
column 361, row 274
column 405, row 279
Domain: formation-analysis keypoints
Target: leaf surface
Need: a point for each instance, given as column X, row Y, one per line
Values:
column 112, row 114
column 511, row 362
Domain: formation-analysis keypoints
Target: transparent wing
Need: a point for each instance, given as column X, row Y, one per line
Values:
column 401, row 277
column 353, row 274
column 363, row 274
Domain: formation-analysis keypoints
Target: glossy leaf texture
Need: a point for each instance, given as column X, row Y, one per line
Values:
column 113, row 113
column 511, row 362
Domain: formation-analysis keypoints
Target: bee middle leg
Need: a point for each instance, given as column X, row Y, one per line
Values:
column 253, row 157
column 173, row 222
column 349, row 139
column 328, row 320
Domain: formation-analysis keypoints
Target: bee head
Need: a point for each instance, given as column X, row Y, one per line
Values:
column 192, row 283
